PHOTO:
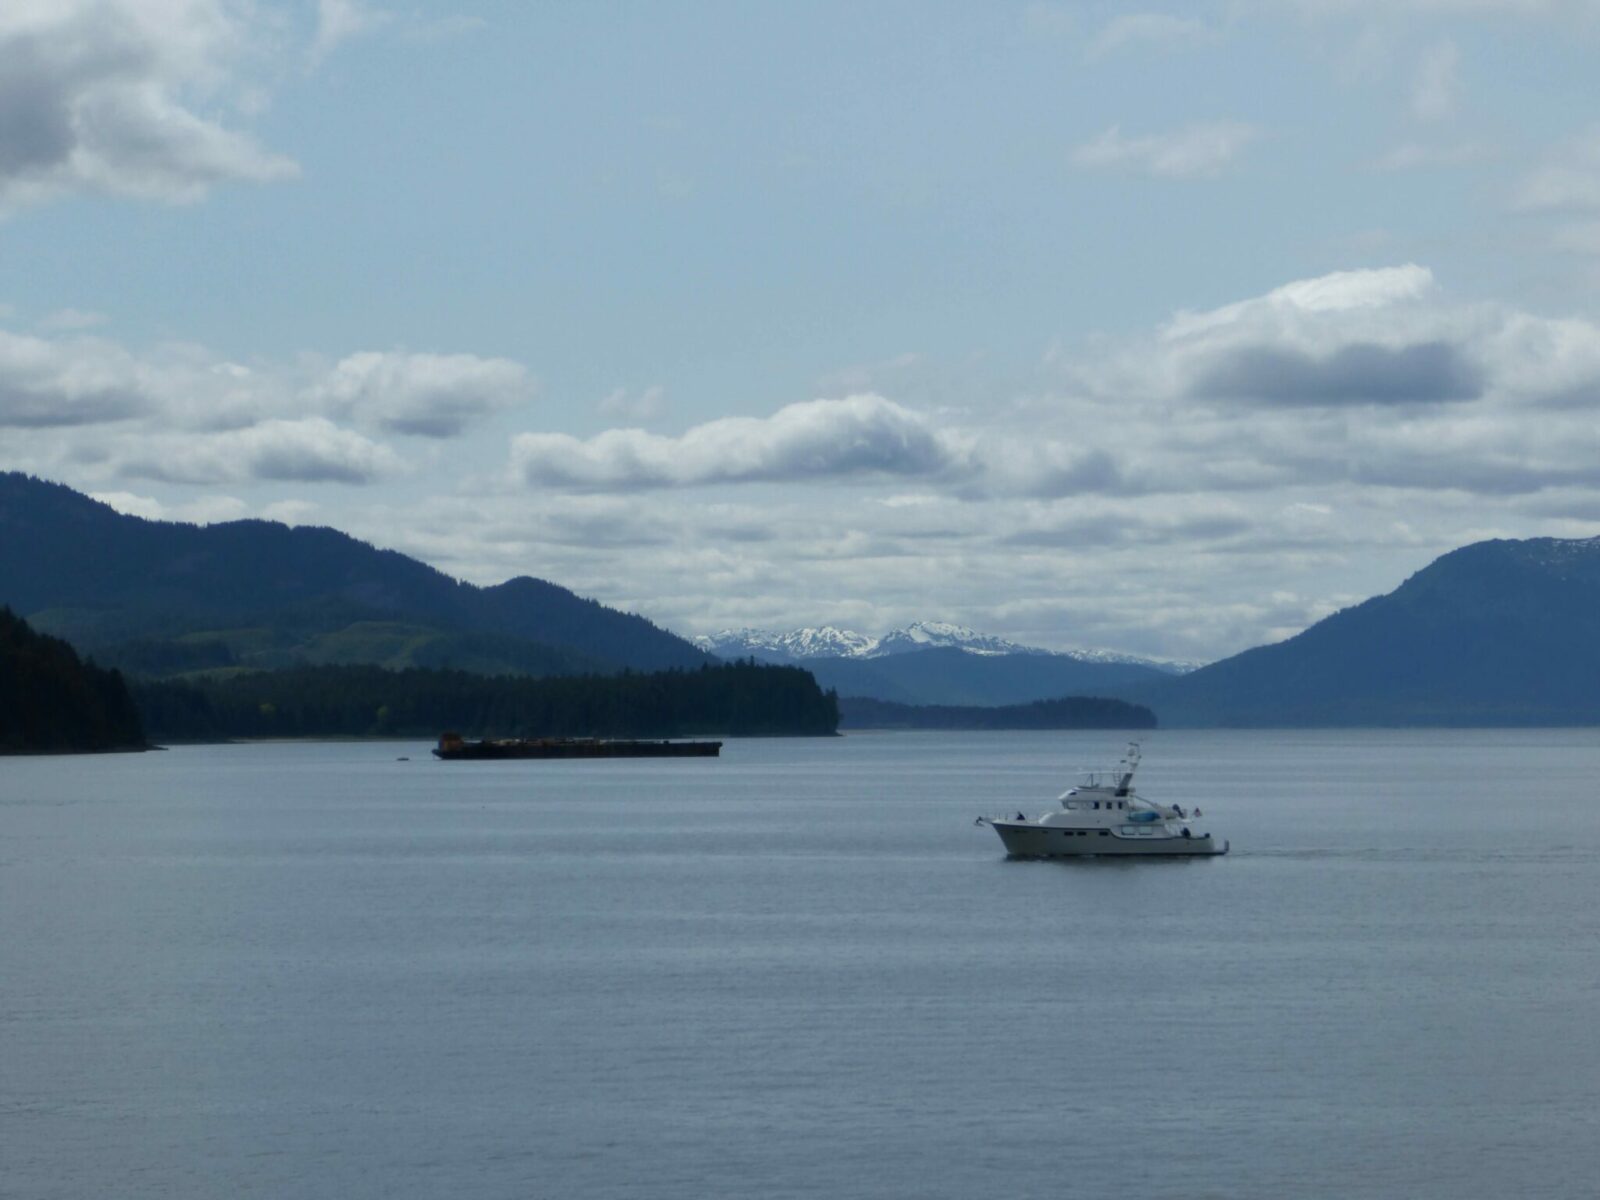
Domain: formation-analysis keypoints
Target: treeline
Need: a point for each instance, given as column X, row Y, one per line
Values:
column 52, row 702
column 1069, row 712
column 738, row 699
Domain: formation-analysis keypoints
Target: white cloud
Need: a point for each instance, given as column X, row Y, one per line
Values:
column 340, row 20
column 132, row 504
column 1147, row 27
column 119, row 96
column 1356, row 378
column 1194, row 152
column 859, row 436
column 1414, row 156
column 1582, row 237
column 1338, row 291
column 1434, row 92
column 1569, row 182
column 203, row 510
column 183, row 414
column 1360, row 377
column 309, row 450
column 429, row 395
column 1564, row 193
column 290, row 512
column 633, row 406
column 47, row 383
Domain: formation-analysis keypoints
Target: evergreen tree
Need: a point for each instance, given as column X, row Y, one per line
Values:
column 50, row 701
column 736, row 699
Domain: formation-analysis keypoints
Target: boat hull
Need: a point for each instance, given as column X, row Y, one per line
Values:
column 1024, row 839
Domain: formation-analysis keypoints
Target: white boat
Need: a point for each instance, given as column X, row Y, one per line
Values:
column 1103, row 815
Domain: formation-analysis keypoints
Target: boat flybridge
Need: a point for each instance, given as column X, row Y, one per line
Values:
column 1103, row 815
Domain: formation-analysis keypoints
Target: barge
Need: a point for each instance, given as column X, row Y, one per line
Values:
column 453, row 746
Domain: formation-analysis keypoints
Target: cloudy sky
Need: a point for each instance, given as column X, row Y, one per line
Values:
column 1166, row 330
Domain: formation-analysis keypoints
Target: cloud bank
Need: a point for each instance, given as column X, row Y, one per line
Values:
column 1153, row 492
column 181, row 414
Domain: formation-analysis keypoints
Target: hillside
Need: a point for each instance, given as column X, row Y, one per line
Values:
column 1069, row 712
column 51, row 702
column 1495, row 633
column 259, row 593
column 951, row 676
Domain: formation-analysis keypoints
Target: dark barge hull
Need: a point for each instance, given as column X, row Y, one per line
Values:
column 574, row 748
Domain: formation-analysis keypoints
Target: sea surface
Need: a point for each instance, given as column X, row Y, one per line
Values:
column 319, row 970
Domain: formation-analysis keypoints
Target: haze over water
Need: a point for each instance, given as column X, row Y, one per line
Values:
column 314, row 970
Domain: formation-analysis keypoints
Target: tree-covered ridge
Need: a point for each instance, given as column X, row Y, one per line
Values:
column 52, row 702
column 1498, row 633
column 1068, row 712
column 738, row 699
column 272, row 595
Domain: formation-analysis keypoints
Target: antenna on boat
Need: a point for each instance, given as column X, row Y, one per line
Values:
column 1125, row 770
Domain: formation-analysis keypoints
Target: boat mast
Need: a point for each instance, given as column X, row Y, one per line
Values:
column 1125, row 769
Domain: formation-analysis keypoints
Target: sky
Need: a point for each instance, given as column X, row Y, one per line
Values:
column 1167, row 331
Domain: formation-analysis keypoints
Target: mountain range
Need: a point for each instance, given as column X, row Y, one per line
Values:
column 1496, row 633
column 161, row 597
column 937, row 663
column 802, row 645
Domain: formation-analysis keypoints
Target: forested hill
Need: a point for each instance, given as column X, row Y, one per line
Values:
column 258, row 593
column 51, row 702
column 1496, row 633
column 738, row 699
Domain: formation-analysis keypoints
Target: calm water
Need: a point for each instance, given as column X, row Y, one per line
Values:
column 316, row 971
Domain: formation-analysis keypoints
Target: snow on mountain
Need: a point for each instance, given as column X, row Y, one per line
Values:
column 926, row 635
column 830, row 642
column 826, row 642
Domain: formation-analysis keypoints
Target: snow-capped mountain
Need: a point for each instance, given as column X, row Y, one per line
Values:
column 926, row 635
column 831, row 642
column 826, row 642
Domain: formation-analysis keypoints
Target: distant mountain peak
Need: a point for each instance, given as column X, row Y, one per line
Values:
column 923, row 635
column 824, row 641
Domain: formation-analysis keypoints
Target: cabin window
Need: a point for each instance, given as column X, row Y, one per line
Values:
column 1105, row 833
column 1097, row 804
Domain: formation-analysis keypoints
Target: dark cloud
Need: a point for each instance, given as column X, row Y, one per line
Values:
column 90, row 99
column 1362, row 373
column 1476, row 474
column 24, row 407
column 1102, row 530
column 35, row 120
